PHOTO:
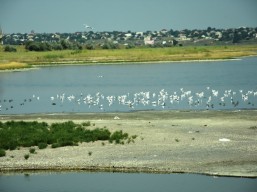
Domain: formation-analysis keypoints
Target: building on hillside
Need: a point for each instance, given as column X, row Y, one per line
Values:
column 148, row 41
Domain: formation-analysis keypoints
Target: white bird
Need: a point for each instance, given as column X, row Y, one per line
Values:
column 88, row 27
column 224, row 140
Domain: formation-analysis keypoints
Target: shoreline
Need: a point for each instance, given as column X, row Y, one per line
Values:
column 168, row 142
column 92, row 63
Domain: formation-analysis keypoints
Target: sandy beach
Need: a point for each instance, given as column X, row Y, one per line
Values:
column 205, row 142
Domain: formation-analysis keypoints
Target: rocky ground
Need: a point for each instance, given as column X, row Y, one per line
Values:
column 206, row 142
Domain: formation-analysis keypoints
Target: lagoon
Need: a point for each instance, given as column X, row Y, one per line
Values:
column 84, row 181
column 212, row 85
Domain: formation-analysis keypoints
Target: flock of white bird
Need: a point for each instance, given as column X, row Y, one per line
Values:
column 207, row 99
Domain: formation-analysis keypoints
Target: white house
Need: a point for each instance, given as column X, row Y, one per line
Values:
column 148, row 41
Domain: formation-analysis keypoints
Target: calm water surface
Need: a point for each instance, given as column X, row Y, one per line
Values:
column 128, row 87
column 198, row 85
column 72, row 182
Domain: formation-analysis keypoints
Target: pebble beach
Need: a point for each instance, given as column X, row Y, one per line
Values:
column 222, row 143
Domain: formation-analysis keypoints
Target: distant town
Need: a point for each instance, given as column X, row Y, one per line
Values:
column 89, row 39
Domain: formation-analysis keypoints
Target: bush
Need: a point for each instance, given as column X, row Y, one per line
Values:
column 2, row 153
column 15, row 134
column 56, row 145
column 110, row 45
column 118, row 136
column 26, row 156
column 90, row 46
column 86, row 123
column 32, row 150
column 42, row 145
column 253, row 127
column 10, row 49
column 38, row 46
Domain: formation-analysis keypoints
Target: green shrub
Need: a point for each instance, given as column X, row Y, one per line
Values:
column 9, row 48
column 66, row 143
column 2, row 153
column 118, row 136
column 15, row 134
column 86, row 124
column 55, row 145
column 42, row 145
column 26, row 156
column 253, row 127
column 32, row 150
column 12, row 144
column 134, row 136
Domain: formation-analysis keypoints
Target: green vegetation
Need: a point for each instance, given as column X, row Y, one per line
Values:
column 9, row 48
column 23, row 58
column 32, row 150
column 16, row 134
column 253, row 127
column 26, row 156
column 45, row 46
column 2, row 153
column 86, row 123
column 42, row 145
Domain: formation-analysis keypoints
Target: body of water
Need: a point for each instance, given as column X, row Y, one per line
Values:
column 94, row 182
column 219, row 85
column 109, row 88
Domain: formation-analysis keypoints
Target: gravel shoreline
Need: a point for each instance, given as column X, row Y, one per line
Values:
column 222, row 143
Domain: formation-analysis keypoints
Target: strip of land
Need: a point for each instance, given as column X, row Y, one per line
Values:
column 221, row 143
column 29, row 59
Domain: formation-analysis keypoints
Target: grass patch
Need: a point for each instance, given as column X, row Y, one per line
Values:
column 124, row 55
column 13, row 65
column 15, row 134
column 50, row 56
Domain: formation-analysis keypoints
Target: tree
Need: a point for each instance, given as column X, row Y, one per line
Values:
column 236, row 37
column 175, row 42
column 65, row 44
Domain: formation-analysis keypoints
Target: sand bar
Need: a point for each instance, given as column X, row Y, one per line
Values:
column 205, row 142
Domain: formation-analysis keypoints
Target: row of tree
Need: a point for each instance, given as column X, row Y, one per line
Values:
column 68, row 45
column 45, row 46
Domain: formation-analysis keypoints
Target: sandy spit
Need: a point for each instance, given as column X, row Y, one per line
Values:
column 222, row 143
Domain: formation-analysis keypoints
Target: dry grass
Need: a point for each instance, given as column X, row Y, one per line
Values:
column 13, row 65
